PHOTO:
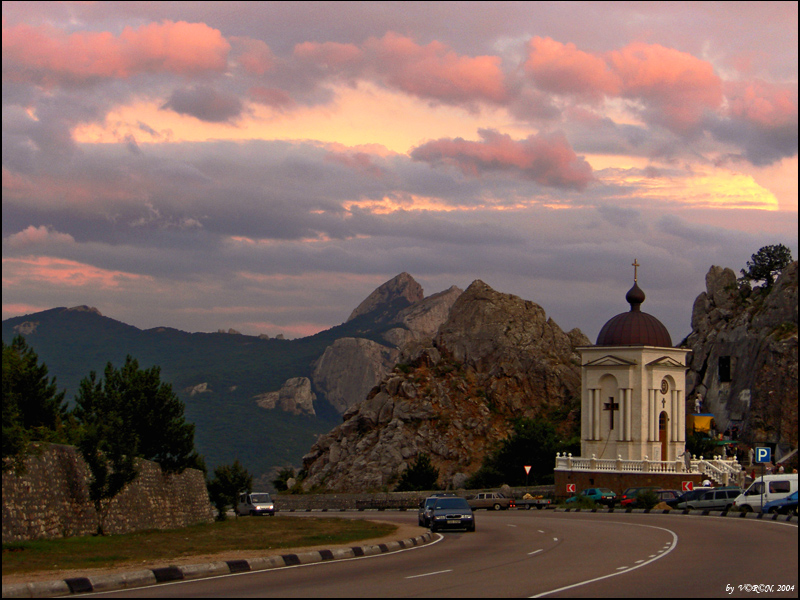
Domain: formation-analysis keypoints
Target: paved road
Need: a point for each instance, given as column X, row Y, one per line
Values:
column 530, row 553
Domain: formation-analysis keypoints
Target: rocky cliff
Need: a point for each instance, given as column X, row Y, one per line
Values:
column 351, row 367
column 744, row 356
column 497, row 357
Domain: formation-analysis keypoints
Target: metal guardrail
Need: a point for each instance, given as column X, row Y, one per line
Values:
column 387, row 504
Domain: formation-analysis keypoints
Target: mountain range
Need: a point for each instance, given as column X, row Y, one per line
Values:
column 445, row 375
column 263, row 401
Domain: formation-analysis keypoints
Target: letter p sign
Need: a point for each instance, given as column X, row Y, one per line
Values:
column 763, row 455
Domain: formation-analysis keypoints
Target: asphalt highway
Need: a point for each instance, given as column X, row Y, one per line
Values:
column 544, row 554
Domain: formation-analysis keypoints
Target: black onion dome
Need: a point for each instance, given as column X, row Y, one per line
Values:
column 634, row 328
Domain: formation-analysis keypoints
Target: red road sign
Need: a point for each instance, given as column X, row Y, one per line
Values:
column 687, row 486
column 528, row 469
column 570, row 488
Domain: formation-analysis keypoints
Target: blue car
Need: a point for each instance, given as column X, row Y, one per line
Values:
column 784, row 506
column 599, row 495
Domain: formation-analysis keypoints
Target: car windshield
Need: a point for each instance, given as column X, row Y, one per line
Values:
column 260, row 498
column 605, row 491
column 448, row 503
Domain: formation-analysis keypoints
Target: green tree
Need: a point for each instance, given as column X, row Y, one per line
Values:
column 33, row 408
column 280, row 482
column 766, row 263
column 107, row 441
column 420, row 475
column 229, row 481
column 534, row 442
column 130, row 413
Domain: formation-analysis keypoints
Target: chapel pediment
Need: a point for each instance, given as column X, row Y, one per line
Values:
column 666, row 361
column 609, row 360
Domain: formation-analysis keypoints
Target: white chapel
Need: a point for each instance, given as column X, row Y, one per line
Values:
column 633, row 388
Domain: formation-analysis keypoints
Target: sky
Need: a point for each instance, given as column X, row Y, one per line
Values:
column 265, row 166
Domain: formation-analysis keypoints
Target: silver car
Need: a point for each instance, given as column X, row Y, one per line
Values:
column 712, row 499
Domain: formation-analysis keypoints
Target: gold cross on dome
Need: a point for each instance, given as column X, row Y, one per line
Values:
column 635, row 266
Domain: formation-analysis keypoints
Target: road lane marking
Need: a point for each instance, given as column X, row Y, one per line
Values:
column 534, row 552
column 428, row 574
column 653, row 558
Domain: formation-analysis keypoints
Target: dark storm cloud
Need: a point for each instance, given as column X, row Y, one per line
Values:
column 205, row 103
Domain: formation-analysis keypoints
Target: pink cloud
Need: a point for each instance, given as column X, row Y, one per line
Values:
column 679, row 86
column 38, row 236
column 63, row 272
column 547, row 159
column 435, row 72
column 256, row 57
column 563, row 69
column 763, row 103
column 48, row 56
column 676, row 87
column 332, row 54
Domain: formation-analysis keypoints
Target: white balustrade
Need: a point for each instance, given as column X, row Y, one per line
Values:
column 720, row 470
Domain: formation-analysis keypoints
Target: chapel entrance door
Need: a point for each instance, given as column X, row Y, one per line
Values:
column 663, row 419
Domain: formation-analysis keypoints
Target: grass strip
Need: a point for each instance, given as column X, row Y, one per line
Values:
column 246, row 533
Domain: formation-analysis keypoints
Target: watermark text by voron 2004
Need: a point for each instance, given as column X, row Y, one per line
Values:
column 759, row 588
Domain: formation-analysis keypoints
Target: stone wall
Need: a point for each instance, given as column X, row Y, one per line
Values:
column 389, row 500
column 51, row 499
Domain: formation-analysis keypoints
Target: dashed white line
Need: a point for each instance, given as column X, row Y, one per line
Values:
column 534, row 552
column 621, row 570
column 429, row 574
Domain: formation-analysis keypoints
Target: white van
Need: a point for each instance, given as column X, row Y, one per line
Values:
column 766, row 489
column 255, row 504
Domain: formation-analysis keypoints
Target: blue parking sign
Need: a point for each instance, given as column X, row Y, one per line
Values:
column 763, row 455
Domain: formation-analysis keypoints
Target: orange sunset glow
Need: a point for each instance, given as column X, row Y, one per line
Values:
column 265, row 166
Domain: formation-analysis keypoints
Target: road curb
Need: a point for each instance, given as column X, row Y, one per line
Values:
column 683, row 512
column 121, row 581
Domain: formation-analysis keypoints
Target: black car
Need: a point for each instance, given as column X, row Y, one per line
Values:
column 452, row 513
column 425, row 507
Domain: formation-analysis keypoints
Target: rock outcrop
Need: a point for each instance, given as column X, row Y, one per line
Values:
column 401, row 287
column 496, row 358
column 295, row 396
column 744, row 356
column 351, row 367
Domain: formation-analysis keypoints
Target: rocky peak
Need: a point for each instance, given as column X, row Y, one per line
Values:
column 351, row 367
column 744, row 356
column 402, row 287
column 496, row 358
column 486, row 327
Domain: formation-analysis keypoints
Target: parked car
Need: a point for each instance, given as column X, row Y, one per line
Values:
column 599, row 495
column 452, row 513
column 784, row 506
column 712, row 499
column 668, row 495
column 490, row 500
column 686, row 496
column 255, row 504
column 628, row 497
column 426, row 506
column 766, row 489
